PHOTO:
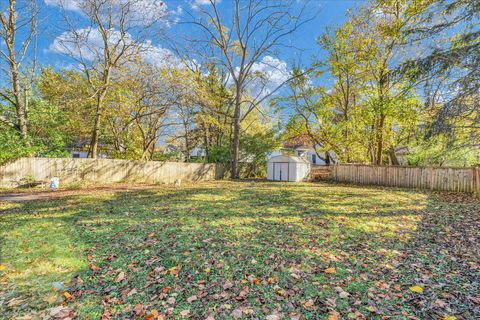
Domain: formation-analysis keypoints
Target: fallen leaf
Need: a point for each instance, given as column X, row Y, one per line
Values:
column 280, row 292
column 185, row 313
column 440, row 303
column 175, row 270
column 139, row 310
column 416, row 289
column 94, row 267
column 227, row 285
column 330, row 270
column 243, row 294
column 120, row 277
column 334, row 315
column 15, row 302
column 191, row 299
column 309, row 303
column 60, row 312
column 152, row 315
column 51, row 299
column 371, row 309
column 131, row 292
column 295, row 316
column 272, row 279
column 237, row 313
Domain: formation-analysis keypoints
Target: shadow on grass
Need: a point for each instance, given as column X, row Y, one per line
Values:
column 230, row 231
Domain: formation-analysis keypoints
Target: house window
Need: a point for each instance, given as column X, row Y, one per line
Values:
column 314, row 158
column 76, row 155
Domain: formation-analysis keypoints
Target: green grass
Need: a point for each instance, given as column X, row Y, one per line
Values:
column 243, row 252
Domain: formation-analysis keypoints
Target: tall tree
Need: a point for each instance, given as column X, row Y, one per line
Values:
column 18, row 34
column 364, row 115
column 119, row 32
column 380, row 43
column 449, row 68
column 345, row 96
column 214, row 119
column 242, row 40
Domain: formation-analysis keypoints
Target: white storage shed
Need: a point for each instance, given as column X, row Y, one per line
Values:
column 287, row 168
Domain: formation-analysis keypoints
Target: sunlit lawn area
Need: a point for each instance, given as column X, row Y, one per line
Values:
column 230, row 250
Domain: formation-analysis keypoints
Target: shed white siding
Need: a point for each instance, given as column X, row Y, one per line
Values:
column 287, row 168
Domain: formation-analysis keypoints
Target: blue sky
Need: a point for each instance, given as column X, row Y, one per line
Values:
column 331, row 13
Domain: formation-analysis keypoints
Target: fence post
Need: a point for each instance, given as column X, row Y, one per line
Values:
column 335, row 173
column 476, row 181
column 432, row 178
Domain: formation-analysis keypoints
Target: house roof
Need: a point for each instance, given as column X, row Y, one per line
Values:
column 402, row 151
column 302, row 141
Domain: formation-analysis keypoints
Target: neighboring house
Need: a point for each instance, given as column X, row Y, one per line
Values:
column 401, row 153
column 171, row 148
column 78, row 154
column 80, row 150
column 198, row 152
column 303, row 147
column 84, row 154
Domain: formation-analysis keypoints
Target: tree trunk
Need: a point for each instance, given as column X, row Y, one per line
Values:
column 393, row 157
column 236, row 137
column 10, row 32
column 19, row 105
column 93, row 150
column 380, row 140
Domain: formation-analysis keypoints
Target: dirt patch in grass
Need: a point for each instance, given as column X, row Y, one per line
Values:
column 43, row 195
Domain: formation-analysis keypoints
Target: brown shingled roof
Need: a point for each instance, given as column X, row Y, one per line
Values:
column 302, row 141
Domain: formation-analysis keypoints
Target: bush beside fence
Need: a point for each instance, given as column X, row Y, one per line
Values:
column 103, row 171
column 433, row 178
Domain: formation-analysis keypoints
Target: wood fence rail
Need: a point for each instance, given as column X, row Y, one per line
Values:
column 433, row 178
column 103, row 171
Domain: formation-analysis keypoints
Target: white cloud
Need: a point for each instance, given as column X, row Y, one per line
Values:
column 160, row 57
column 266, row 76
column 275, row 70
column 140, row 12
column 71, row 5
column 199, row 3
column 87, row 44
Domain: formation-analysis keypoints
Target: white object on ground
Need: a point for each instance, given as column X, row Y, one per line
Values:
column 54, row 183
column 177, row 183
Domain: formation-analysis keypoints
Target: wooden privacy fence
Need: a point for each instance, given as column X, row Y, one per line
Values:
column 445, row 179
column 101, row 171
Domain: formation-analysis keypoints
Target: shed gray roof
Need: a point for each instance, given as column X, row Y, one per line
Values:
column 284, row 158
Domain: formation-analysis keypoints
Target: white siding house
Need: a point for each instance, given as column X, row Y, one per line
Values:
column 78, row 154
column 311, row 156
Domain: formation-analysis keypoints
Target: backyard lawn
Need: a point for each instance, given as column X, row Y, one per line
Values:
column 231, row 250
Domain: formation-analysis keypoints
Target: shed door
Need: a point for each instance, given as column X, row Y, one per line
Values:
column 280, row 171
